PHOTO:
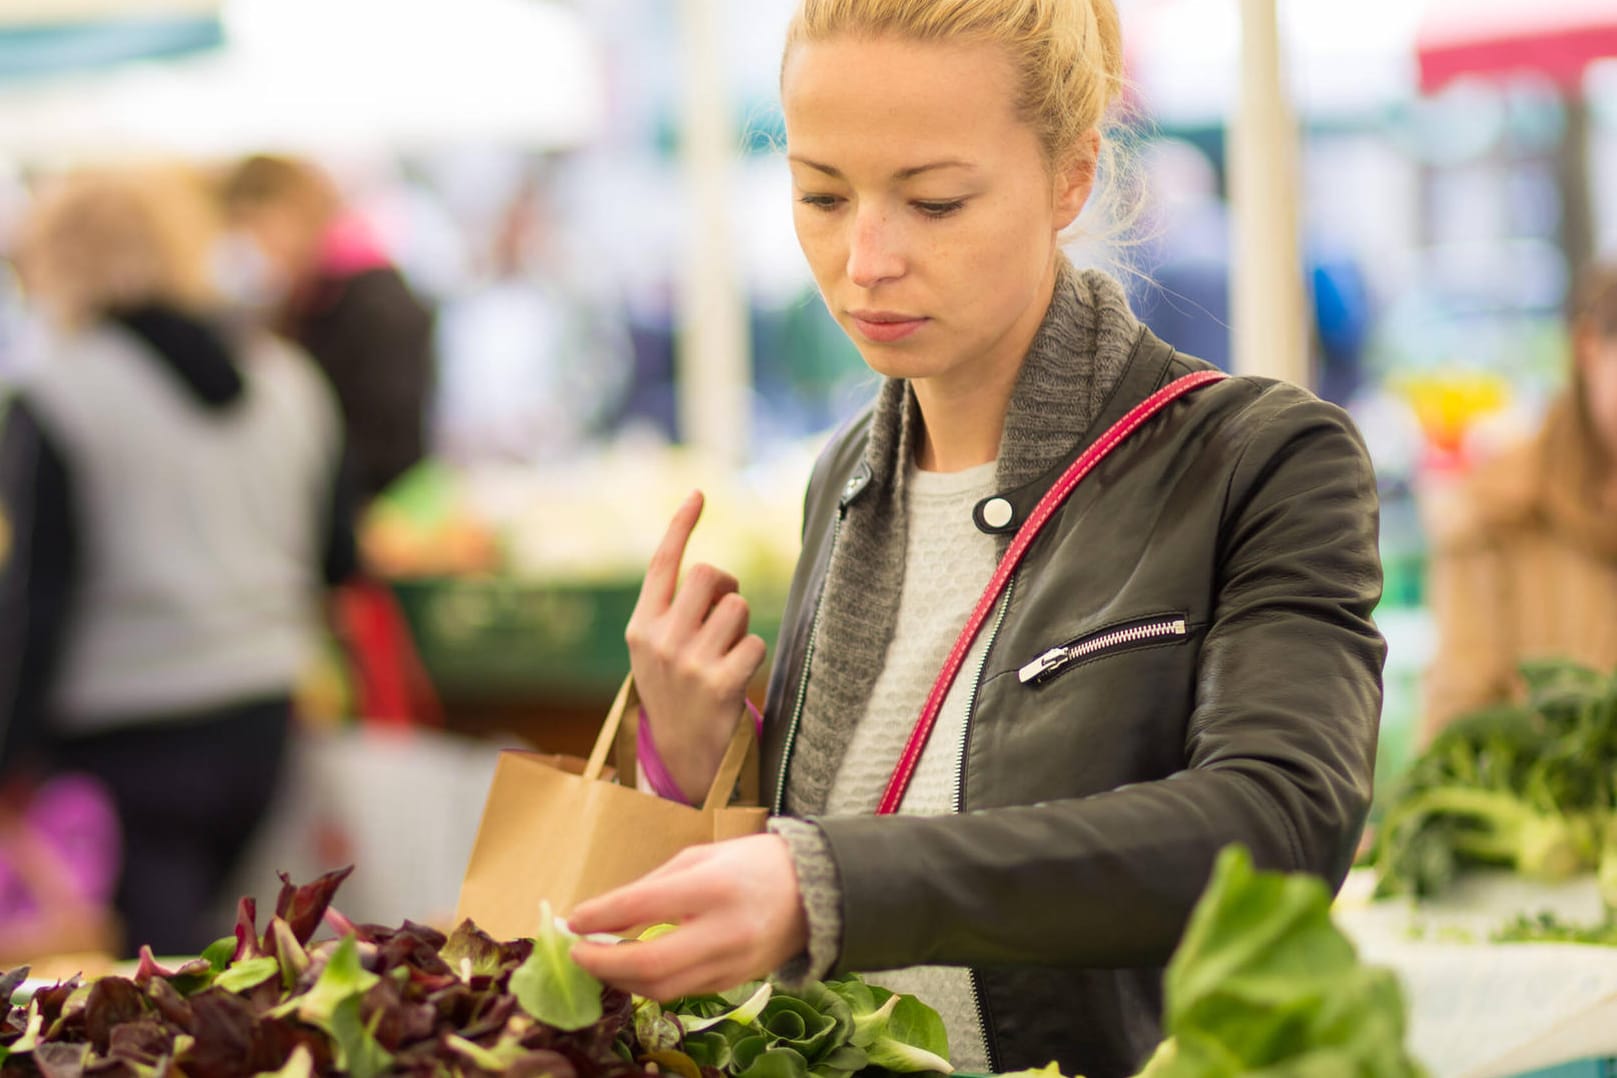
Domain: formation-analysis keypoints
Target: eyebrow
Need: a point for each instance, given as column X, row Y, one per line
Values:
column 901, row 174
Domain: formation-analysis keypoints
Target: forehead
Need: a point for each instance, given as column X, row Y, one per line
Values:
column 860, row 100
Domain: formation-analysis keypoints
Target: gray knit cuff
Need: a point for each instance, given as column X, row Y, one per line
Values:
column 821, row 889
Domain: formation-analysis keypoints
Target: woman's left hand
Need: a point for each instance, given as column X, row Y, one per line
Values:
column 738, row 909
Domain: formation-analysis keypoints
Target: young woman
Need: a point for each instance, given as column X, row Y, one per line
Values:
column 1184, row 659
column 1525, row 553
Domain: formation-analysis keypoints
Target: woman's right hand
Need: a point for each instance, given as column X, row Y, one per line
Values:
column 691, row 655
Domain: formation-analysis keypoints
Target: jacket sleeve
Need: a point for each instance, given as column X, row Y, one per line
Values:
column 1279, row 752
column 38, row 565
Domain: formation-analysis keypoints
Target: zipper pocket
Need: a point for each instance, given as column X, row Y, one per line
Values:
column 1149, row 631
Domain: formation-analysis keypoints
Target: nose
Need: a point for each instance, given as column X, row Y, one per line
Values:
column 874, row 253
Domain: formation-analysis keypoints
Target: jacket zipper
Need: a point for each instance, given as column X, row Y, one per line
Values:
column 802, row 681
column 960, row 804
column 1057, row 659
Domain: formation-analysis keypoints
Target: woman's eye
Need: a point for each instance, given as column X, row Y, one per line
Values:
column 940, row 209
column 820, row 202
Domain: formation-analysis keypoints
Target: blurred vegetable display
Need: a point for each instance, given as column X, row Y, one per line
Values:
column 594, row 519
column 1530, row 786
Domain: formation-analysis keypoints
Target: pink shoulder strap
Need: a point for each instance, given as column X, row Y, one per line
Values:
column 1053, row 499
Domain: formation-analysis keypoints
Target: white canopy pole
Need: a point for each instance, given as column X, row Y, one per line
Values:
column 713, row 353
column 1268, row 300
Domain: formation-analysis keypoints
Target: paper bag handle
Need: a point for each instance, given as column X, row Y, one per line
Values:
column 622, row 735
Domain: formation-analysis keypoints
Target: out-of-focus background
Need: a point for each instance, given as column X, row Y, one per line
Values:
column 588, row 213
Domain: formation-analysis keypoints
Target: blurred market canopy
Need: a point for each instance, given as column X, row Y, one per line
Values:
column 1340, row 60
column 48, row 37
column 1557, row 39
column 1554, row 40
column 306, row 75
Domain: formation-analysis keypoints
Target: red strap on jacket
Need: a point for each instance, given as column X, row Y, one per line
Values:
column 1053, row 499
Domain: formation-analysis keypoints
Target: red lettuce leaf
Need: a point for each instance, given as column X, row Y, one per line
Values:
column 275, row 1039
column 170, row 1004
column 144, row 1042
column 471, row 952
column 150, row 968
column 52, row 998
column 222, row 1023
column 434, row 938
column 398, row 1022
column 61, row 1060
column 303, row 907
column 113, row 1002
column 13, row 981
column 247, row 945
column 416, row 952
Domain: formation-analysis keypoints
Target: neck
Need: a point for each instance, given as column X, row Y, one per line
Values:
column 963, row 415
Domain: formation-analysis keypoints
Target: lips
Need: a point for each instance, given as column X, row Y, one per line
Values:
column 886, row 326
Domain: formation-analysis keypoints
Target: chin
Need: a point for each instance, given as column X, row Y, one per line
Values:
column 896, row 361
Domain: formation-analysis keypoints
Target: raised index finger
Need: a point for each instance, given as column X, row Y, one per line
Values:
column 662, row 575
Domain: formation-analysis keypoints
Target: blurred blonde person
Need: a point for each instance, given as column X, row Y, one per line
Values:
column 170, row 483
column 1524, row 562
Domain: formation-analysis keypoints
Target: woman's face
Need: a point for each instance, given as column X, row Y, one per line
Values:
column 923, row 203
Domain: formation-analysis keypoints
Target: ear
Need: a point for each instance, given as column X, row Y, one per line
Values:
column 1075, row 178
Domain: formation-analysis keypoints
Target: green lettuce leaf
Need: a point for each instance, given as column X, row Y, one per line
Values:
column 342, row 979
column 776, row 1063
column 745, row 1014
column 914, row 1040
column 358, row 1053
column 1264, row 979
column 550, row 986
column 248, row 973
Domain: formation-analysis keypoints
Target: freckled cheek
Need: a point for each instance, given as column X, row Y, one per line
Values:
column 823, row 244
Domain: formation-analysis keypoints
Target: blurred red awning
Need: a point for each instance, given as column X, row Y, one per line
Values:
column 1555, row 38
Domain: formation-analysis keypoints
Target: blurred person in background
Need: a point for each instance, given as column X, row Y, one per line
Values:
column 175, row 514
column 534, row 362
column 335, row 291
column 1524, row 551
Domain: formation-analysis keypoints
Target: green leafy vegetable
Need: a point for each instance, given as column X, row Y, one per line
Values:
column 1547, row 928
column 246, row 974
column 550, row 985
column 914, row 1039
column 1264, row 984
column 1532, row 787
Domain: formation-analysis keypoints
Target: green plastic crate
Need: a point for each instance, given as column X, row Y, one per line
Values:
column 502, row 638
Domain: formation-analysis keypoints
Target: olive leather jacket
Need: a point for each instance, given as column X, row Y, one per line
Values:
column 1239, row 527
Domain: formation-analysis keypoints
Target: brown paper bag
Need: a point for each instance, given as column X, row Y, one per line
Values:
column 548, row 834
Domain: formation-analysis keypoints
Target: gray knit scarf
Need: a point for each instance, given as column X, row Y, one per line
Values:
column 1076, row 359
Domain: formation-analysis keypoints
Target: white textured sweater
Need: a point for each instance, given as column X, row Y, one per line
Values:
column 947, row 563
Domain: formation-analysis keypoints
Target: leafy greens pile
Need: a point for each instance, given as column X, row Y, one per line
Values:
column 1532, row 787
column 1264, row 984
column 411, row 1001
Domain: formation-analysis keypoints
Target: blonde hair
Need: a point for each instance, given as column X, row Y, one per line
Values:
column 269, row 179
column 100, row 241
column 1068, row 53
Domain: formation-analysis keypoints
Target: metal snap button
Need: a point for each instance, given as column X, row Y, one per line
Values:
column 997, row 512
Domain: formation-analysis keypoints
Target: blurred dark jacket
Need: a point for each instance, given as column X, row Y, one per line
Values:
column 373, row 336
